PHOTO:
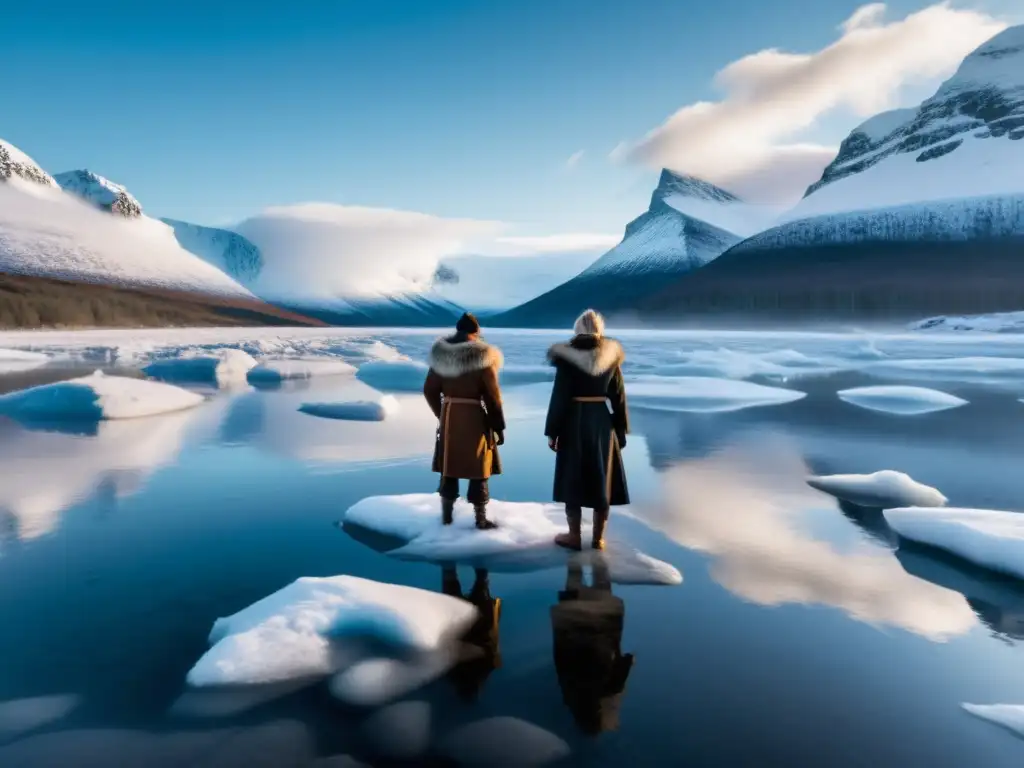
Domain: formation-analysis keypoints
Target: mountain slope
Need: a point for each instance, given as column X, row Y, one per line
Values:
column 922, row 212
column 661, row 245
column 17, row 167
column 101, row 192
column 228, row 251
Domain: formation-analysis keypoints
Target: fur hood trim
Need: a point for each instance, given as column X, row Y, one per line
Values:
column 455, row 358
column 607, row 354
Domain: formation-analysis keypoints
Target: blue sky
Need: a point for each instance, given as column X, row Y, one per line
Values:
column 211, row 111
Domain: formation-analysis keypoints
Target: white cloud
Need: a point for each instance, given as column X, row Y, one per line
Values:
column 569, row 242
column 574, row 159
column 746, row 140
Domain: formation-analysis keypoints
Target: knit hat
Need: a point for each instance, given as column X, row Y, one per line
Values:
column 468, row 324
column 590, row 323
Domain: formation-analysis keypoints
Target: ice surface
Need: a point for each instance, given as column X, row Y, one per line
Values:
column 14, row 360
column 998, row 322
column 97, row 397
column 503, row 741
column 362, row 410
column 903, row 401
column 974, row 368
column 221, row 367
column 393, row 375
column 376, row 681
column 698, row 394
column 880, row 490
column 989, row 538
column 288, row 634
column 278, row 370
column 781, row 365
column 523, row 539
column 1009, row 716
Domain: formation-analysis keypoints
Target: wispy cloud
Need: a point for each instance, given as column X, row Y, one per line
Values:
column 748, row 141
column 574, row 159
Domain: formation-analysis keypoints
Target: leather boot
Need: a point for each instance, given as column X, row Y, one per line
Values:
column 600, row 523
column 573, row 539
column 481, row 518
column 447, row 511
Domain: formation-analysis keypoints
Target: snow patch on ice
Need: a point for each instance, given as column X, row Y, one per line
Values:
column 903, row 401
column 14, row 360
column 698, row 394
column 524, row 537
column 1009, row 716
column 97, row 397
column 989, row 538
column 275, row 371
column 288, row 634
column 221, row 367
column 364, row 410
column 393, row 375
column 879, row 490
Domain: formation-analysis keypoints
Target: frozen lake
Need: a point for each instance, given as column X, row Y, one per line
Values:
column 803, row 633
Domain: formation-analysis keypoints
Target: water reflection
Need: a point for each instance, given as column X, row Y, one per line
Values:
column 587, row 624
column 482, row 638
column 748, row 505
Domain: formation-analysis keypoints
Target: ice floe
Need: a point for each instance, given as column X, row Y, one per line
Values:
column 989, row 538
column 780, row 365
column 1010, row 716
column 503, row 741
column 880, row 490
column 393, row 375
column 277, row 370
column 975, row 369
column 97, row 397
column 14, row 360
column 375, row 681
column 221, row 367
column 400, row 731
column 900, row 400
column 289, row 634
column 19, row 716
column 523, row 540
column 698, row 394
column 360, row 410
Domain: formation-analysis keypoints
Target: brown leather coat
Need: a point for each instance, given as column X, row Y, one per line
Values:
column 462, row 390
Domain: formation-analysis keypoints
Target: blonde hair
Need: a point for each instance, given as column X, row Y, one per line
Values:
column 589, row 323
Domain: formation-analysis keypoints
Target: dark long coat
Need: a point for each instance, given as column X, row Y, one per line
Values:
column 588, row 468
column 462, row 390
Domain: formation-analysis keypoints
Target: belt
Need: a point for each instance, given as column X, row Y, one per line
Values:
column 589, row 399
column 461, row 401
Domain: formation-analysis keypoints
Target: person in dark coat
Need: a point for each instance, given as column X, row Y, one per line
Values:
column 462, row 390
column 587, row 624
column 482, row 638
column 586, row 437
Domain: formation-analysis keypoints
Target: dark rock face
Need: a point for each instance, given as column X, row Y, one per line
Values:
column 101, row 192
column 10, row 167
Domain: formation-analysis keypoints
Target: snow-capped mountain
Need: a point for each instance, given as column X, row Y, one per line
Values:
column 228, row 251
column 489, row 284
column 921, row 212
column 17, row 167
column 46, row 232
column 659, row 246
column 101, row 192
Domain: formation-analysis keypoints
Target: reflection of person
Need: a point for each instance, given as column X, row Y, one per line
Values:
column 587, row 439
column 469, row 675
column 462, row 390
column 587, row 625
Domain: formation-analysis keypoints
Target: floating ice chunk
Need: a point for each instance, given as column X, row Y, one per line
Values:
column 400, row 731
column 904, row 401
column 698, row 394
column 524, row 537
column 362, row 410
column 880, row 490
column 20, row 715
column 288, row 634
column 503, row 741
column 222, row 366
column 14, row 360
column 225, row 701
column 97, row 397
column 1009, row 716
column 376, row 681
column 990, row 538
column 275, row 371
column 393, row 375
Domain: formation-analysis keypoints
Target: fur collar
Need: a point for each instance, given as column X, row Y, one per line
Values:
column 450, row 358
column 605, row 355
